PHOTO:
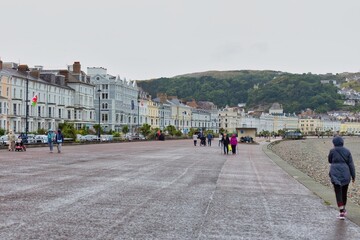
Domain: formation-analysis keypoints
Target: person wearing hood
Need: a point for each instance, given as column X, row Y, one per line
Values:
column 233, row 143
column 342, row 171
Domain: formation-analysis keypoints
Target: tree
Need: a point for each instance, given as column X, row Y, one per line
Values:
column 171, row 130
column 68, row 130
column 192, row 131
column 41, row 131
column 178, row 133
column 125, row 129
column 295, row 92
column 116, row 134
column 145, row 129
column 96, row 127
column 221, row 130
column 84, row 130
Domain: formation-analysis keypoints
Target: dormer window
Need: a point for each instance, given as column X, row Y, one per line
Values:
column 97, row 78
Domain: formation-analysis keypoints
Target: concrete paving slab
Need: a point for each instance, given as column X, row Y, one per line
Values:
column 161, row 190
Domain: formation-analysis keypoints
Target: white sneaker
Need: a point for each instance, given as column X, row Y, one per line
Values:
column 341, row 216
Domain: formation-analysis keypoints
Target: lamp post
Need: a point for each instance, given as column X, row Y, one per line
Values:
column 27, row 107
column 205, row 123
column 184, row 112
column 99, row 91
column 138, row 130
column 162, row 109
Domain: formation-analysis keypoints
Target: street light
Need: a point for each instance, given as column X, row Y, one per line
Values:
column 138, row 116
column 99, row 91
column 184, row 112
column 162, row 117
column 27, row 105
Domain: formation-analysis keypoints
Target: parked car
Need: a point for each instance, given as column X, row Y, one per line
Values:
column 139, row 136
column 79, row 136
column 41, row 139
column 130, row 136
column 106, row 138
column 88, row 138
column 31, row 138
column 4, row 140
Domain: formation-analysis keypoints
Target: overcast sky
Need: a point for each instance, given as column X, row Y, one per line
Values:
column 144, row 39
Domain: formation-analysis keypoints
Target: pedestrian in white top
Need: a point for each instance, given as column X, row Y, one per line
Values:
column 220, row 139
column 195, row 137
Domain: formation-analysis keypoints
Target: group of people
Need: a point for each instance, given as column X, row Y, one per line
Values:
column 203, row 139
column 341, row 173
column 16, row 143
column 342, row 169
column 229, row 144
column 55, row 137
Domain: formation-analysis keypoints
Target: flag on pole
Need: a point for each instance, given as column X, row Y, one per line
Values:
column 34, row 100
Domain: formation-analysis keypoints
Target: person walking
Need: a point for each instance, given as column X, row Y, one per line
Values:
column 221, row 136
column 209, row 138
column 342, row 171
column 233, row 143
column 51, row 137
column 195, row 137
column 11, row 139
column 59, row 138
column 226, row 142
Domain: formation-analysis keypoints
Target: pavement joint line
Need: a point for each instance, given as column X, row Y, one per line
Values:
column 325, row 193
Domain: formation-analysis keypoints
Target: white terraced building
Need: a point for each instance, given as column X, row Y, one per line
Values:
column 58, row 99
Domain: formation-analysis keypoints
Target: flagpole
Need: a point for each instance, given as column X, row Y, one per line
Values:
column 27, row 106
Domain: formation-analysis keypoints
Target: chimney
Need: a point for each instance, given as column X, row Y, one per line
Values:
column 35, row 73
column 65, row 73
column 23, row 68
column 162, row 97
column 1, row 65
column 77, row 68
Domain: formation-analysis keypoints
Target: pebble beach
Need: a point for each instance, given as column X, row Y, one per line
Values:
column 310, row 156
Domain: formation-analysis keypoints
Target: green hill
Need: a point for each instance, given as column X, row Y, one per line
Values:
column 255, row 88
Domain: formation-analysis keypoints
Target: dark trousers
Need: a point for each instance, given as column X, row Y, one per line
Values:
column 209, row 142
column 341, row 194
column 226, row 149
column 195, row 141
column 233, row 148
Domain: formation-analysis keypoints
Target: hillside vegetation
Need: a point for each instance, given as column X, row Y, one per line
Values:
column 295, row 92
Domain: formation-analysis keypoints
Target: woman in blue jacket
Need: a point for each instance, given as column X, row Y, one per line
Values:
column 51, row 138
column 342, row 171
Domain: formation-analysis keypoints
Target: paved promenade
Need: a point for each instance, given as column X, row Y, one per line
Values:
column 161, row 190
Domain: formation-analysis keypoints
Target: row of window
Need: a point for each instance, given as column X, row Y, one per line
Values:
column 18, row 109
